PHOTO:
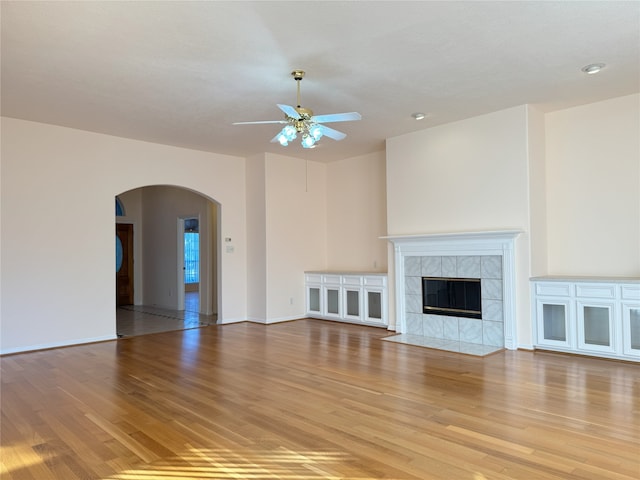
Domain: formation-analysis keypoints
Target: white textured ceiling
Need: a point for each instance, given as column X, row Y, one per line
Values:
column 181, row 73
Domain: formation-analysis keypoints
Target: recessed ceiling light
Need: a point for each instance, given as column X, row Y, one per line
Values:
column 593, row 68
column 418, row 116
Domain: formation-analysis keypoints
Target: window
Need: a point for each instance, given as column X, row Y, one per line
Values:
column 191, row 251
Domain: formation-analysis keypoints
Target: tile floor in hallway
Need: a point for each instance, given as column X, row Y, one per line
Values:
column 132, row 320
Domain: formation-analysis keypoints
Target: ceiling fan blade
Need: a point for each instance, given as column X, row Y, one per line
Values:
column 263, row 121
column 331, row 133
column 337, row 117
column 289, row 111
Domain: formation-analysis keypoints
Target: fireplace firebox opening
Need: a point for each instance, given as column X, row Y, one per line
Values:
column 457, row 297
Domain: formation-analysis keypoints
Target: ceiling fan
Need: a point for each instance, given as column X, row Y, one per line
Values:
column 301, row 121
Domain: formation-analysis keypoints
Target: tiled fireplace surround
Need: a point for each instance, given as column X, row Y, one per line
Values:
column 488, row 268
column 488, row 256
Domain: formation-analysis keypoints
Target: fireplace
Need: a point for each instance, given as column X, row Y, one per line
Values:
column 456, row 297
column 488, row 256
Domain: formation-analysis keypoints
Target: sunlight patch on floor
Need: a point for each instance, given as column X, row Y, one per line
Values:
column 279, row 463
column 15, row 457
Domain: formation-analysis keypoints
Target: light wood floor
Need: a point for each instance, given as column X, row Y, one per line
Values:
column 310, row 400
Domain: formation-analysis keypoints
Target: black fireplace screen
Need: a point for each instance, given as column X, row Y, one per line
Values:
column 458, row 297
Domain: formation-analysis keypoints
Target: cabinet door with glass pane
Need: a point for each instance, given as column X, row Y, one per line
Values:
column 374, row 306
column 596, row 326
column 553, row 322
column 631, row 329
column 331, row 302
column 630, row 295
column 375, row 300
column 314, row 300
column 314, row 294
column 352, row 298
column 332, row 296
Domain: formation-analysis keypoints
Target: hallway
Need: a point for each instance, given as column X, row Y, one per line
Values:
column 133, row 320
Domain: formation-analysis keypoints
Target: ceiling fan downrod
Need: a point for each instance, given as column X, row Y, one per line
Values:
column 298, row 75
column 305, row 113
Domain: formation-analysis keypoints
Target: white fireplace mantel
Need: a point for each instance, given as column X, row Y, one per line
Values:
column 497, row 242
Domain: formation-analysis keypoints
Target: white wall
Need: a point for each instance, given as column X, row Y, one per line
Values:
column 357, row 213
column 465, row 176
column 537, row 191
column 304, row 215
column 162, row 206
column 593, row 184
column 286, row 225
column 296, row 229
column 256, row 239
column 57, row 252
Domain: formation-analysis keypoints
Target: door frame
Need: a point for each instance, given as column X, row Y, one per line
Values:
column 129, row 248
column 180, row 263
column 180, row 260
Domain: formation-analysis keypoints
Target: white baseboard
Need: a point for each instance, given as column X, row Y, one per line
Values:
column 225, row 321
column 284, row 319
column 269, row 321
column 68, row 343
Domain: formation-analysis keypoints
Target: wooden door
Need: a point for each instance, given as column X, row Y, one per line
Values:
column 124, row 264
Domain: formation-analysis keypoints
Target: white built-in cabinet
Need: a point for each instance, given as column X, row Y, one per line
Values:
column 590, row 316
column 347, row 297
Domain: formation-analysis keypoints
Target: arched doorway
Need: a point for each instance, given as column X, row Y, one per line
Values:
column 157, row 216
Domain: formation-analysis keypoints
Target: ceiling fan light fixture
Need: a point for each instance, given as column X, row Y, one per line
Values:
column 290, row 132
column 286, row 135
column 316, row 132
column 308, row 141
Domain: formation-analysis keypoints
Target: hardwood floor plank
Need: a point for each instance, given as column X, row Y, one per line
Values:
column 124, row 438
column 308, row 400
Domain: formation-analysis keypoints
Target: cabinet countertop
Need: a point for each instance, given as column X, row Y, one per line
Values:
column 344, row 272
column 581, row 279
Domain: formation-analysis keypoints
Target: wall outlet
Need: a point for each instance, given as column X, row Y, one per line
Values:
column 291, row 301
